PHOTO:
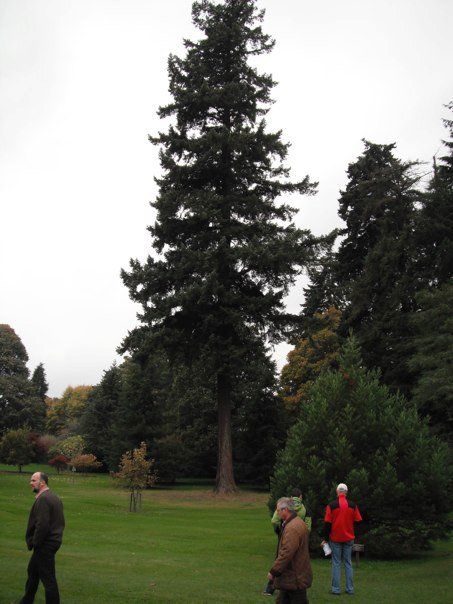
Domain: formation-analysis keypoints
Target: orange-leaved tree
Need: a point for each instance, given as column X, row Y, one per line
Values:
column 314, row 353
column 135, row 474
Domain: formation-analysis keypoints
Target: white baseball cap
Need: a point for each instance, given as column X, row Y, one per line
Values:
column 342, row 487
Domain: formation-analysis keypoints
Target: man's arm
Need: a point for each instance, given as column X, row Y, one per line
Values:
column 327, row 528
column 42, row 523
column 288, row 547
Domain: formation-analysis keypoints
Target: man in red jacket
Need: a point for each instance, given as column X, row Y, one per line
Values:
column 341, row 514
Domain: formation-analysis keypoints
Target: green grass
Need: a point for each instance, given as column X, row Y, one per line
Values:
column 186, row 546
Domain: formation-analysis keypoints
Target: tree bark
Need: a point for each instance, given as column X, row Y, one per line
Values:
column 224, row 483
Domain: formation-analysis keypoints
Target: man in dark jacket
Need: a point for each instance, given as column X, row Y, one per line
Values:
column 341, row 514
column 44, row 535
column 291, row 571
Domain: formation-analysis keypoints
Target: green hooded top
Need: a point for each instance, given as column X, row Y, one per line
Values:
column 300, row 510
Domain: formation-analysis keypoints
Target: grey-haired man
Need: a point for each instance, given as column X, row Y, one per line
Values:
column 291, row 571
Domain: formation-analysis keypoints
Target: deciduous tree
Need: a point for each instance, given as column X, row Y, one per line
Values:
column 16, row 448
column 19, row 403
column 135, row 473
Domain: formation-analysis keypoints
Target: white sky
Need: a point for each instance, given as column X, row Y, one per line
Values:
column 80, row 83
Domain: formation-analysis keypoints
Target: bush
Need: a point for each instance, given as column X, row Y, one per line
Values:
column 353, row 430
column 69, row 447
column 41, row 445
column 16, row 448
column 60, row 462
column 85, row 462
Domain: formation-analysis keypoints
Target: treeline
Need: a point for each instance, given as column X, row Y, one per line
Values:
column 366, row 395
column 168, row 407
column 387, row 277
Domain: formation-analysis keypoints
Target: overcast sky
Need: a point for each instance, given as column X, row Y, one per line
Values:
column 80, row 82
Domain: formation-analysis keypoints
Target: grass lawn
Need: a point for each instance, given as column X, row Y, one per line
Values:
column 186, row 546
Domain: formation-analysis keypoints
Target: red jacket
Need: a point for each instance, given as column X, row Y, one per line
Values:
column 339, row 519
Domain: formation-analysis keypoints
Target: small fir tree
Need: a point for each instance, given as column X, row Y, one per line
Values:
column 38, row 380
column 354, row 430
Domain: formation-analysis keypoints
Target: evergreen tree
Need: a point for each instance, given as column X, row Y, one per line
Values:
column 19, row 403
column 257, row 421
column 435, row 227
column 98, row 415
column 138, row 416
column 39, row 381
column 433, row 343
column 375, row 265
column 226, row 251
column 259, row 426
column 324, row 290
column 354, row 430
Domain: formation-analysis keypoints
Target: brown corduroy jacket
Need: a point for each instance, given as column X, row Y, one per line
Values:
column 292, row 568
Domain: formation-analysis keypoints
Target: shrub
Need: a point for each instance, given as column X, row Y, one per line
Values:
column 60, row 462
column 16, row 448
column 85, row 462
column 69, row 447
column 353, row 430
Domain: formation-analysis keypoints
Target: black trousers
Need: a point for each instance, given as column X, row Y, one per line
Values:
column 292, row 596
column 42, row 567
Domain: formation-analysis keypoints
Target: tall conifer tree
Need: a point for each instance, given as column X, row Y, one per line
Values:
column 226, row 251
column 435, row 229
column 39, row 381
column 375, row 266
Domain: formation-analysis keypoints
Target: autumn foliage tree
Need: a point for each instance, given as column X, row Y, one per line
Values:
column 63, row 414
column 85, row 462
column 59, row 462
column 317, row 351
column 135, row 474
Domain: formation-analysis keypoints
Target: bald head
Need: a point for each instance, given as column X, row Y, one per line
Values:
column 39, row 482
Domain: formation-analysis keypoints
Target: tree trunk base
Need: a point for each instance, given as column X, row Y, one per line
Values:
column 225, row 489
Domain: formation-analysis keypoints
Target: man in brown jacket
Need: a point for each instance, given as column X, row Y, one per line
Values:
column 291, row 571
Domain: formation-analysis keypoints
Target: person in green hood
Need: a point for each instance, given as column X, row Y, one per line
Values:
column 299, row 508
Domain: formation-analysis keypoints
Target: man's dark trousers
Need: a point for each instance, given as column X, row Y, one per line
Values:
column 296, row 596
column 42, row 567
